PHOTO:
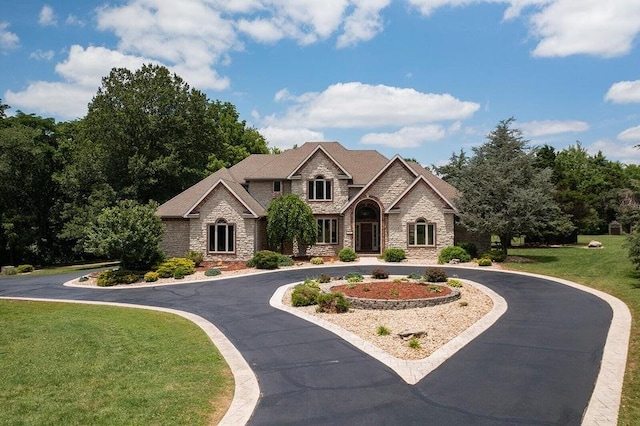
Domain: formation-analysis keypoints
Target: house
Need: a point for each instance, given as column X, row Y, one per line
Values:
column 359, row 198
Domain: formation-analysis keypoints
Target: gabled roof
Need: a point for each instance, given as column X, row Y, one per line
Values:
column 319, row 148
column 188, row 200
column 420, row 179
column 449, row 192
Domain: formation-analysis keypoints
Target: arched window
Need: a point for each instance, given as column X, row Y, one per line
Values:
column 319, row 189
column 421, row 233
column 222, row 237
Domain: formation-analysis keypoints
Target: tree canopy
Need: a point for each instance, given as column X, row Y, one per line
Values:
column 290, row 219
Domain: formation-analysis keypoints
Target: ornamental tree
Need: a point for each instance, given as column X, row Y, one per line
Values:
column 290, row 219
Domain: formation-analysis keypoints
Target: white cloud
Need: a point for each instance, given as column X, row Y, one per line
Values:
column 407, row 137
column 364, row 23
column 349, row 105
column 8, row 40
column 73, row 20
column 627, row 154
column 42, row 55
column 82, row 72
column 47, row 16
column 552, row 127
column 624, row 92
column 630, row 135
column 286, row 138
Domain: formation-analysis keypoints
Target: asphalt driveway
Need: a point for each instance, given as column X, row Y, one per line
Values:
column 536, row 365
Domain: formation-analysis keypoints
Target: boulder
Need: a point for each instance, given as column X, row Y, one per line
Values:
column 594, row 244
column 408, row 334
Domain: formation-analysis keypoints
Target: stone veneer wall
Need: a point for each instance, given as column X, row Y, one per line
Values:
column 175, row 241
column 221, row 204
column 481, row 241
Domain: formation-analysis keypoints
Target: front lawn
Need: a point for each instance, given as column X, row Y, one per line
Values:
column 610, row 270
column 80, row 364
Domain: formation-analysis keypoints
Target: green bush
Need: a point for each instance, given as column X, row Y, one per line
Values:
column 454, row 283
column 304, row 295
column 414, row 276
column 354, row 277
column 470, row 248
column 25, row 268
column 167, row 269
column 435, row 275
column 311, row 282
column 394, row 254
column 317, row 261
column 347, row 254
column 414, row 343
column 485, row 261
column 151, row 277
column 9, row 270
column 453, row 252
column 179, row 273
column 379, row 274
column 196, row 257
column 212, row 272
column 110, row 278
column 332, row 303
column 265, row 259
column 284, row 260
column 324, row 278
column 495, row 255
column 383, row 331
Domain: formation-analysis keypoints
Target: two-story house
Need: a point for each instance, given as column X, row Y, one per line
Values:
column 360, row 199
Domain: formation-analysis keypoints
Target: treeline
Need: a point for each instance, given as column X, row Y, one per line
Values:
column 589, row 189
column 146, row 137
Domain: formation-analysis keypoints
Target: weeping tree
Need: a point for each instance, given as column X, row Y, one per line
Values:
column 290, row 219
column 504, row 194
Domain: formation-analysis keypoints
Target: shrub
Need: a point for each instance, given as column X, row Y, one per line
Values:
column 435, row 275
column 347, row 254
column 311, row 283
column 379, row 274
column 354, row 277
column 454, row 283
column 24, row 268
column 83, row 279
column 324, row 278
column 212, row 272
column 196, row 257
column 151, row 277
column 394, row 254
column 453, row 252
column 168, row 268
column 495, row 255
column 110, row 277
column 332, row 303
column 9, row 270
column 470, row 248
column 414, row 276
column 383, row 331
column 435, row 289
column 414, row 343
column 265, row 259
column 317, row 261
column 485, row 261
column 304, row 295
column 178, row 274
column 284, row 260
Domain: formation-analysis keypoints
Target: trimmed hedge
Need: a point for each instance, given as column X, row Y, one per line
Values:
column 447, row 254
column 305, row 295
column 110, row 277
column 167, row 269
column 394, row 254
column 347, row 254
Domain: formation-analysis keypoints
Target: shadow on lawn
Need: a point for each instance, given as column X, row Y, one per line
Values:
column 635, row 275
column 535, row 258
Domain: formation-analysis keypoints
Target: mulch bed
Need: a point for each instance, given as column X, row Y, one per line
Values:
column 392, row 290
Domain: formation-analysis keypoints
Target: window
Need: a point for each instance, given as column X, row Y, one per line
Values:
column 421, row 233
column 327, row 231
column 277, row 186
column 319, row 189
column 222, row 237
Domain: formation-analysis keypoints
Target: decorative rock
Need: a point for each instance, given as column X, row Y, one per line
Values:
column 408, row 334
column 454, row 261
column 594, row 244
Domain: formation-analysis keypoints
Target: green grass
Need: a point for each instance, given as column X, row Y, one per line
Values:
column 66, row 364
column 609, row 270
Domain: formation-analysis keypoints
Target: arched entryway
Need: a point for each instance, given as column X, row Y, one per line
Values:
column 367, row 236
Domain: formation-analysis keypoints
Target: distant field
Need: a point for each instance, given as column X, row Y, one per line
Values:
column 609, row 270
column 64, row 364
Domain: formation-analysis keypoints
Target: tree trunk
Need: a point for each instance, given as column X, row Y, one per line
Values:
column 505, row 242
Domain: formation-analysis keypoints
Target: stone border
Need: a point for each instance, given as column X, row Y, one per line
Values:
column 396, row 304
column 246, row 392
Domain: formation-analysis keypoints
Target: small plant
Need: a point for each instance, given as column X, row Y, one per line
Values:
column 324, row 278
column 196, row 257
column 435, row 289
column 332, row 303
column 379, row 274
column 463, row 303
column 485, row 261
column 284, row 260
column 22, row 269
column 495, row 255
column 447, row 254
column 414, row 276
column 354, row 274
column 151, row 277
column 435, row 275
column 414, row 343
column 212, row 272
column 399, row 280
column 168, row 268
column 304, row 295
column 355, row 279
column 394, row 254
column 265, row 259
column 383, row 331
column 366, row 287
column 351, row 286
column 347, row 254
column 311, row 283
column 454, row 283
column 317, row 261
column 394, row 292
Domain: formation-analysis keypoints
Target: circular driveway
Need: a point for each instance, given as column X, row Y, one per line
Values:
column 537, row 364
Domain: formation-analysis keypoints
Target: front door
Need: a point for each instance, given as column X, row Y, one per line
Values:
column 366, row 234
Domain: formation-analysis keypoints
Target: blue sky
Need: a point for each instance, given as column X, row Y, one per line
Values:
column 422, row 78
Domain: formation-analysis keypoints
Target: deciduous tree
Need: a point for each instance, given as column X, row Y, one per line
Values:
column 290, row 219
